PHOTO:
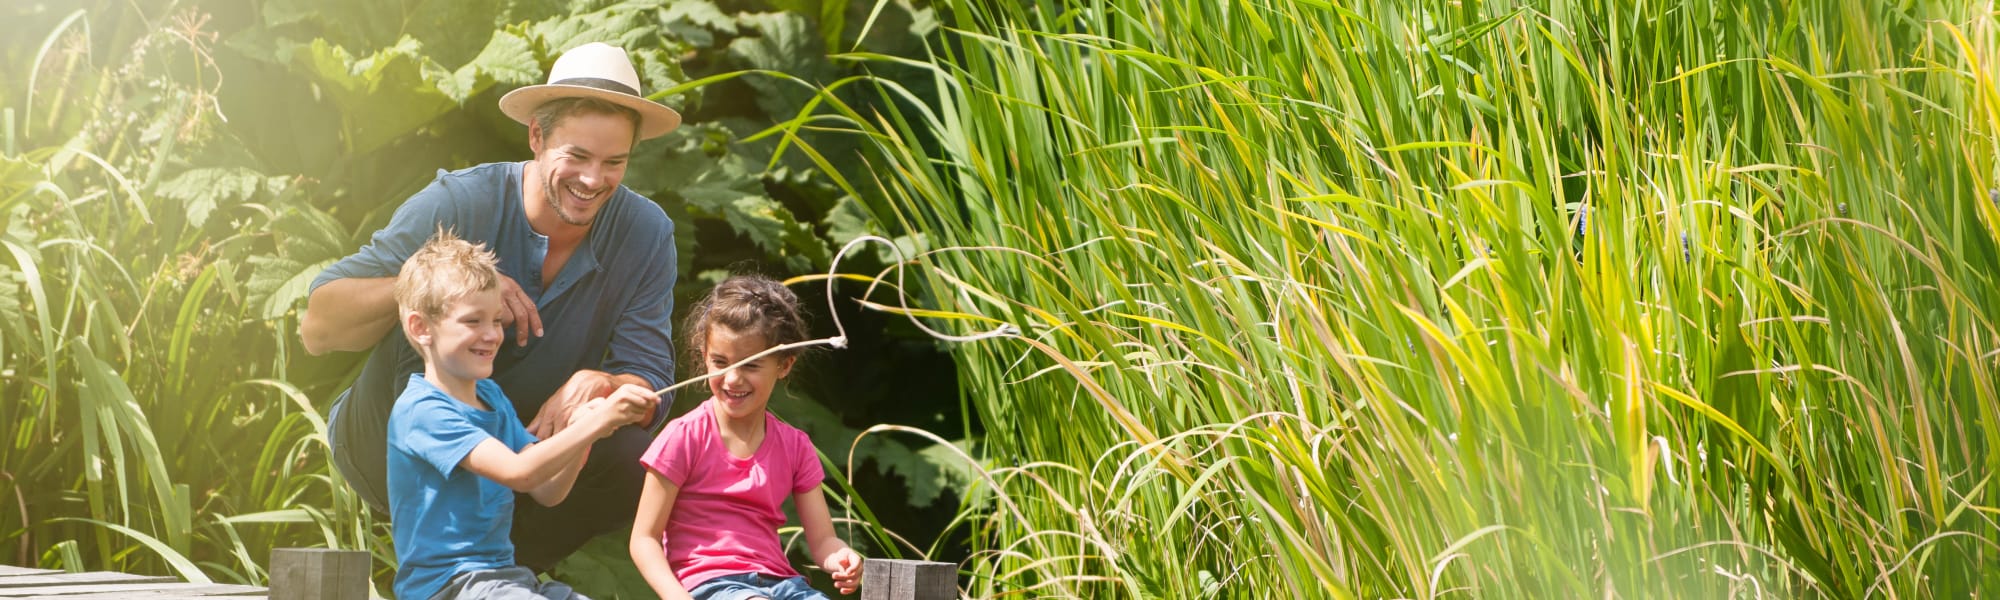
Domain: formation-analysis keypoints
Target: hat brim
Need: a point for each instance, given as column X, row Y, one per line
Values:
column 655, row 119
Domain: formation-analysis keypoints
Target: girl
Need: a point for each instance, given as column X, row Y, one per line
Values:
column 708, row 518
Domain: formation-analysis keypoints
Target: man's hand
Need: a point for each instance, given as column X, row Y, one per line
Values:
column 845, row 566
column 554, row 415
column 521, row 313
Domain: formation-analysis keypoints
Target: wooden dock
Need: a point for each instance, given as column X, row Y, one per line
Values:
column 18, row 582
column 321, row 574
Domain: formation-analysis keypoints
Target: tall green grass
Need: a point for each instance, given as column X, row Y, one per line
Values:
column 1491, row 299
column 149, row 426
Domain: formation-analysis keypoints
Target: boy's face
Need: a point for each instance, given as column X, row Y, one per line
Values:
column 744, row 392
column 462, row 342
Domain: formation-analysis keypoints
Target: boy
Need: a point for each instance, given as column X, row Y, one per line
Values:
column 457, row 452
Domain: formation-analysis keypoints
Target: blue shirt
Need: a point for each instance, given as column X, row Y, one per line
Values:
column 448, row 520
column 610, row 308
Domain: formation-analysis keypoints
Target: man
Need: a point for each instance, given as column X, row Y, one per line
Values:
column 588, row 293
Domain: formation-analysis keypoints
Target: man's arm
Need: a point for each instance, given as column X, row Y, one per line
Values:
column 642, row 345
column 348, row 315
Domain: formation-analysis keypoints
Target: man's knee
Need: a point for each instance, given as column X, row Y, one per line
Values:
column 629, row 443
column 615, row 459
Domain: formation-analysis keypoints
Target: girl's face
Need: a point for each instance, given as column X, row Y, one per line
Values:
column 743, row 392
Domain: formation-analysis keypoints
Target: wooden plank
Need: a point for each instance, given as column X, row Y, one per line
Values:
column 891, row 579
column 145, row 596
column 79, row 579
column 127, row 589
column 10, row 571
column 177, row 591
column 319, row 574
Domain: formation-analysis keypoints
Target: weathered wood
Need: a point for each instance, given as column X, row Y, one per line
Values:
column 318, row 574
column 59, row 578
column 126, row 590
column 891, row 579
column 7, row 571
column 157, row 595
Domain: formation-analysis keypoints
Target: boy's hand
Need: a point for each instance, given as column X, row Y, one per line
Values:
column 634, row 402
column 626, row 405
column 845, row 566
column 597, row 416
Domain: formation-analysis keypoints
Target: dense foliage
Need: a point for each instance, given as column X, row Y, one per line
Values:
column 1511, row 299
column 175, row 172
column 1325, row 299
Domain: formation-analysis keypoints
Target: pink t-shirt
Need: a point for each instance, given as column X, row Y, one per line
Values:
column 726, row 517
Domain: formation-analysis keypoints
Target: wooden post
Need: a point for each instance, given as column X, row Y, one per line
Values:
column 890, row 579
column 318, row 574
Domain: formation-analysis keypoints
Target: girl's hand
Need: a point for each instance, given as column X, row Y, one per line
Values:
column 845, row 565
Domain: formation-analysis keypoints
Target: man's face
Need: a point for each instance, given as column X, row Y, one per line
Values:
column 582, row 161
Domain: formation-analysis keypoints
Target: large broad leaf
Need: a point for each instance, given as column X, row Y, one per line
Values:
column 309, row 235
column 633, row 25
column 307, row 241
column 452, row 31
column 203, row 190
column 627, row 25
column 830, row 14
column 926, row 473
column 697, row 21
column 277, row 284
column 785, row 43
column 508, row 58
column 381, row 97
column 768, row 224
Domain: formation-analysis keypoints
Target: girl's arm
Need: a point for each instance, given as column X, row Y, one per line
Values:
column 826, row 548
column 656, row 504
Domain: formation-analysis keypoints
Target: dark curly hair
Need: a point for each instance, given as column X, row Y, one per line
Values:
column 747, row 304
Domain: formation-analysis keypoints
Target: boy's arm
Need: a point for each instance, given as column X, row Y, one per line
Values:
column 557, row 488
column 827, row 550
column 649, row 526
column 534, row 466
column 539, row 464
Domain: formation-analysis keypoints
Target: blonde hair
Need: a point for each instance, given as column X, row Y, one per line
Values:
column 445, row 270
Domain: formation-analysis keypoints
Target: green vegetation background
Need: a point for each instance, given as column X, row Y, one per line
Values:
column 1405, row 298
column 174, row 172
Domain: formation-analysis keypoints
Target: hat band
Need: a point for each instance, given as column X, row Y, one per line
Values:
column 598, row 83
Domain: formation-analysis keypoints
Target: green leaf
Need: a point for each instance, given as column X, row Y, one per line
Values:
column 384, row 96
column 926, row 473
column 308, row 234
column 509, row 59
column 278, row 284
column 697, row 21
column 784, row 43
column 203, row 190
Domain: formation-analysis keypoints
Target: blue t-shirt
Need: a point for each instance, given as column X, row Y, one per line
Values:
column 447, row 520
column 610, row 308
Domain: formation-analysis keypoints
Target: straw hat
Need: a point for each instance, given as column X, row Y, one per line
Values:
column 593, row 70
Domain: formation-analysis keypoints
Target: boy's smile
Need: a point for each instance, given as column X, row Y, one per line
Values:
column 465, row 339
